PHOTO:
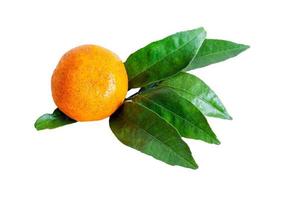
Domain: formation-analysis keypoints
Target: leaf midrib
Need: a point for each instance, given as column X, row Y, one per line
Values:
column 195, row 96
column 223, row 51
column 40, row 123
column 150, row 66
column 152, row 136
column 203, row 131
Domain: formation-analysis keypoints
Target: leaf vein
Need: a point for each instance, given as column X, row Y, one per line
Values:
column 161, row 142
column 150, row 66
column 174, row 113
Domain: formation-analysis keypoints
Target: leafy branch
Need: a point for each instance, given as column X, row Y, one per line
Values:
column 171, row 102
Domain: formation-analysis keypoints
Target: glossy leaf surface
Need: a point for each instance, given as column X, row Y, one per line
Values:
column 163, row 58
column 197, row 92
column 138, row 127
column 179, row 112
column 213, row 51
column 54, row 120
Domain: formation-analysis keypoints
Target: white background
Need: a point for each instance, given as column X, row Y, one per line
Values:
column 259, row 154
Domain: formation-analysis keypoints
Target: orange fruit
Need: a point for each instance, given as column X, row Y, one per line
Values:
column 89, row 83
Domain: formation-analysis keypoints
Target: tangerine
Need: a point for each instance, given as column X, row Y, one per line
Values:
column 89, row 83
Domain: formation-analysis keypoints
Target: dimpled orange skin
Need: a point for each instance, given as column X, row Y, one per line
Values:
column 89, row 83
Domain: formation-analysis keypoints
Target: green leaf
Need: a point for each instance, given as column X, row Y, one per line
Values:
column 163, row 58
column 138, row 127
column 54, row 120
column 198, row 93
column 213, row 51
column 179, row 112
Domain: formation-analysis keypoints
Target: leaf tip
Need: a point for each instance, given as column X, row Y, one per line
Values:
column 224, row 114
column 36, row 128
column 191, row 165
column 201, row 29
column 36, row 124
column 228, row 117
column 214, row 140
column 245, row 47
column 217, row 141
column 194, row 166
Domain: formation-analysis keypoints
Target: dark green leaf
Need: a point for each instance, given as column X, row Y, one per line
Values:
column 54, row 120
column 198, row 93
column 138, row 127
column 179, row 112
column 213, row 51
column 163, row 58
